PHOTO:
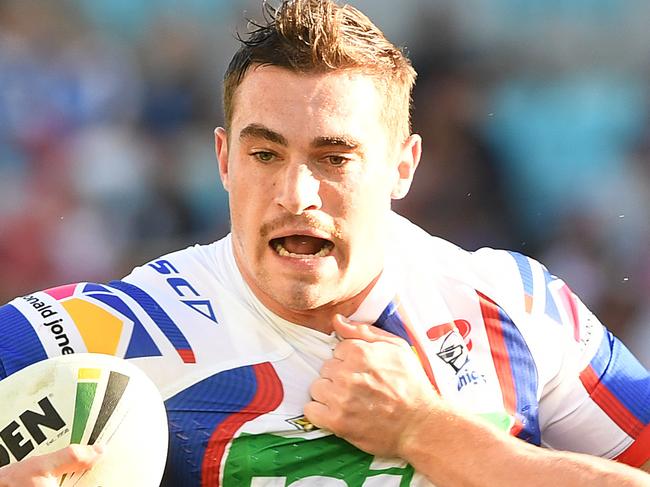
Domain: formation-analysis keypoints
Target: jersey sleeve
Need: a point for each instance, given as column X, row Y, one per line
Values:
column 599, row 403
column 594, row 395
column 80, row 317
column 20, row 345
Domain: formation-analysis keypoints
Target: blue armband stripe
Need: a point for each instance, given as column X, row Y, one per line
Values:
column 622, row 374
column 20, row 345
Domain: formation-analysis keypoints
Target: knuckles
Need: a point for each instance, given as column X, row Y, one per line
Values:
column 356, row 353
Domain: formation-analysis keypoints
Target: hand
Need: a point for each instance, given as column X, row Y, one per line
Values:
column 373, row 392
column 45, row 470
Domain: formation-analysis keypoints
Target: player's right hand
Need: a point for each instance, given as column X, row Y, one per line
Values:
column 45, row 470
column 373, row 392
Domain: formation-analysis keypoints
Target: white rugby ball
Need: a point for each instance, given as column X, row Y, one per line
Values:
column 87, row 398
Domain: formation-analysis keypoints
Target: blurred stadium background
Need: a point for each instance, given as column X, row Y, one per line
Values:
column 534, row 113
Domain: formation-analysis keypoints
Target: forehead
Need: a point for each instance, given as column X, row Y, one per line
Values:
column 310, row 104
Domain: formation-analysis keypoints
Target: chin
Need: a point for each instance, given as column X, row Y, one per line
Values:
column 300, row 301
column 300, row 296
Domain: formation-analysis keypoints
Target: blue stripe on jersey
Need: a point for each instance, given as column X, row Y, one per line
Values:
column 196, row 412
column 390, row 321
column 624, row 376
column 525, row 271
column 20, row 346
column 156, row 313
column 551, row 307
column 91, row 287
column 524, row 375
column 140, row 343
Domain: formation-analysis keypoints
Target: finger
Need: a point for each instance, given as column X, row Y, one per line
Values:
column 321, row 390
column 349, row 346
column 74, row 458
column 347, row 329
column 317, row 414
column 330, row 368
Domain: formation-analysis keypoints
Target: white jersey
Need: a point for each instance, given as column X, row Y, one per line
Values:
column 497, row 335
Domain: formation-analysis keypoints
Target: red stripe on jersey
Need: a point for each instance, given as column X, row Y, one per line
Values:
column 569, row 302
column 187, row 356
column 422, row 356
column 268, row 397
column 602, row 396
column 500, row 357
column 638, row 452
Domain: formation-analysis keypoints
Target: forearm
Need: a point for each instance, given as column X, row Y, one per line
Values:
column 452, row 450
column 375, row 379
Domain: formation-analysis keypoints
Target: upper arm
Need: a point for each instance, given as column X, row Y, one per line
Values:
column 20, row 345
column 82, row 317
column 599, row 402
column 646, row 466
column 602, row 408
column 595, row 395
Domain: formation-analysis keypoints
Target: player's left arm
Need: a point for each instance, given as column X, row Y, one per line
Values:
column 374, row 394
column 599, row 401
column 595, row 395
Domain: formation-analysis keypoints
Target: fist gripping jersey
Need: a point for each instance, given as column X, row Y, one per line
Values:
column 497, row 335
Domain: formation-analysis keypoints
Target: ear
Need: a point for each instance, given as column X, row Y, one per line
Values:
column 409, row 158
column 221, row 149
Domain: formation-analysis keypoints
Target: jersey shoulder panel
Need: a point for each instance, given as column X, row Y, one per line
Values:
column 182, row 310
column 551, row 317
column 528, row 287
column 596, row 396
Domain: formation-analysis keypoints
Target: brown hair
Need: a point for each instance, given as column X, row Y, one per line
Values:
column 321, row 36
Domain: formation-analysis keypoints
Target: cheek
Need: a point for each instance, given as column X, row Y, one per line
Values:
column 244, row 217
column 363, row 211
column 247, row 189
column 371, row 194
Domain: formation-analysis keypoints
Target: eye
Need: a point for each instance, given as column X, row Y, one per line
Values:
column 264, row 156
column 337, row 160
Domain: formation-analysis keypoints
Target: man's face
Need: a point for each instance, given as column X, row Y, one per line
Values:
column 310, row 168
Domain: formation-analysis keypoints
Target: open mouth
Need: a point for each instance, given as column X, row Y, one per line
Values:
column 301, row 246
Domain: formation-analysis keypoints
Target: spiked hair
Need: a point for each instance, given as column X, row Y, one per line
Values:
column 319, row 36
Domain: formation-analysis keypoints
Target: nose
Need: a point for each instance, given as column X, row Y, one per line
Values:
column 298, row 189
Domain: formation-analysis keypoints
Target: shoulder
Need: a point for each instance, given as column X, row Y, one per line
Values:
column 511, row 276
column 539, row 307
column 414, row 249
column 198, row 261
column 488, row 270
column 143, row 315
column 517, row 282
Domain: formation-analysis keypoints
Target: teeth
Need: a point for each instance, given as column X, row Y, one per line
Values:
column 327, row 248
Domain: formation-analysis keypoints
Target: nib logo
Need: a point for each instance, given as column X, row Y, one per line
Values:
column 461, row 326
column 455, row 342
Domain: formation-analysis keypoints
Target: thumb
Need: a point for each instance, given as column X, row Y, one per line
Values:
column 348, row 329
column 73, row 458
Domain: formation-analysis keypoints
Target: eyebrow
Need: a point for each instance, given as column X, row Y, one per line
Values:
column 258, row 131
column 336, row 140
